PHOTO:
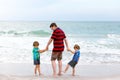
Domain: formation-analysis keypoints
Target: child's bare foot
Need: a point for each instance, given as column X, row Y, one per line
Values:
column 41, row 74
column 73, row 74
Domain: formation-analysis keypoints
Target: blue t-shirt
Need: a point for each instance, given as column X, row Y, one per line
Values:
column 36, row 54
column 76, row 56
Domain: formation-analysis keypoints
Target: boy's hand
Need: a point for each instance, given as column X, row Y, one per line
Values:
column 41, row 51
column 68, row 49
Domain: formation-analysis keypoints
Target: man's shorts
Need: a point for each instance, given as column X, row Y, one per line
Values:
column 56, row 55
column 36, row 62
column 72, row 63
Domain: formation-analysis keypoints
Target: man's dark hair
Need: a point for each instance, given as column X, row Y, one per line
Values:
column 53, row 24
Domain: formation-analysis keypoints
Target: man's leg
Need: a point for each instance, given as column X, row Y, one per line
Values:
column 54, row 67
column 60, row 67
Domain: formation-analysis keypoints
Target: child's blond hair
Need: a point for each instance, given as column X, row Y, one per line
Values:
column 35, row 43
column 76, row 46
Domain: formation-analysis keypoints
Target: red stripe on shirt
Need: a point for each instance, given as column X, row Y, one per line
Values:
column 58, row 36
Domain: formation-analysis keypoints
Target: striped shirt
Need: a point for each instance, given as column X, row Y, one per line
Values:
column 58, row 36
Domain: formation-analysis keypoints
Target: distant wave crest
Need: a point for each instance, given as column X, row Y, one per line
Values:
column 23, row 33
column 113, row 36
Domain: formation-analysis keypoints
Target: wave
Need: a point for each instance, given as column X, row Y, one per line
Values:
column 114, row 36
column 24, row 33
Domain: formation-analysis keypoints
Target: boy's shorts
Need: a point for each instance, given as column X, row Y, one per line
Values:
column 36, row 62
column 56, row 55
column 72, row 63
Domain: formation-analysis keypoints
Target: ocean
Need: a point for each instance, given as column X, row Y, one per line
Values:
column 99, row 41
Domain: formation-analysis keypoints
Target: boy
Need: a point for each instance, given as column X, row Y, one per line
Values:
column 36, row 57
column 74, row 60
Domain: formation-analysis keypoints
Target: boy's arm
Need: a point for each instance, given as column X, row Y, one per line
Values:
column 78, row 60
column 41, row 51
column 71, row 51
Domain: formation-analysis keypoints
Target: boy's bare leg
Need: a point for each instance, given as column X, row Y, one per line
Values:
column 66, row 68
column 35, row 70
column 73, row 73
column 39, row 69
column 60, row 67
column 54, row 68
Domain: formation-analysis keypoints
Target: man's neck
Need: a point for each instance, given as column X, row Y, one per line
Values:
column 56, row 28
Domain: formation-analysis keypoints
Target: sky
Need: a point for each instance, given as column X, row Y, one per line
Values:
column 60, row 10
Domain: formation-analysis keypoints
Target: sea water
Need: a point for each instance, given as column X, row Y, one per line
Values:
column 99, row 41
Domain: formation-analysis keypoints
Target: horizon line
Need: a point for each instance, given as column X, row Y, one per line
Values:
column 60, row 20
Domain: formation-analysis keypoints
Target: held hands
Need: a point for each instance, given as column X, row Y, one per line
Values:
column 46, row 49
column 68, row 49
column 43, row 50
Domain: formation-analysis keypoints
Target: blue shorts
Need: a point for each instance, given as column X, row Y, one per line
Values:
column 36, row 62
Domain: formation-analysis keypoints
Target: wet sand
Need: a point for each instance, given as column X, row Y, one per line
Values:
column 24, row 71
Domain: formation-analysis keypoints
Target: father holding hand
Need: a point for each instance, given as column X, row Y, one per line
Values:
column 58, row 37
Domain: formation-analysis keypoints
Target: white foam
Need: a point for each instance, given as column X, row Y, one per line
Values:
column 19, row 50
column 114, row 36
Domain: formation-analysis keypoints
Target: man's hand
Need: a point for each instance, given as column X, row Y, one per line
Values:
column 68, row 49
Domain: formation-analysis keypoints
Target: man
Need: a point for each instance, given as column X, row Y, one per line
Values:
column 58, row 37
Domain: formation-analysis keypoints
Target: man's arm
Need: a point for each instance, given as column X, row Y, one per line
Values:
column 49, row 42
column 66, row 43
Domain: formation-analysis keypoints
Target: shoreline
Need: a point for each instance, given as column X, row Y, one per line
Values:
column 24, row 71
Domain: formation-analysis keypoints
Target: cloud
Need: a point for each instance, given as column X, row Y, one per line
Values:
column 59, row 9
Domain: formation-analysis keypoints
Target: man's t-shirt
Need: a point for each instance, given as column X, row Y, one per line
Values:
column 58, row 37
column 36, row 54
column 76, row 56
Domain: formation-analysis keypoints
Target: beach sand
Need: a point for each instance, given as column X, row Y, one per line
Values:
column 24, row 71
